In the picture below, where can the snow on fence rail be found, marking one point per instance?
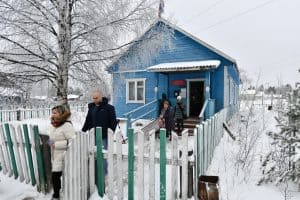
(151, 164)
(30, 113)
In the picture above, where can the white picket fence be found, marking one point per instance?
(31, 113)
(20, 156)
(78, 182)
(79, 172)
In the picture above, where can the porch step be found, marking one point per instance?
(190, 124)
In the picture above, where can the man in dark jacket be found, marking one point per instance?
(100, 114)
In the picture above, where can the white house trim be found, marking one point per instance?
(129, 71)
(135, 80)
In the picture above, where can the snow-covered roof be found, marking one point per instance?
(248, 92)
(39, 97)
(73, 96)
(185, 66)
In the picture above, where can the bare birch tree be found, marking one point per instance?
(59, 39)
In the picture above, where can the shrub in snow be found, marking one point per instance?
(282, 163)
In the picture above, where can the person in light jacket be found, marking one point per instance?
(60, 134)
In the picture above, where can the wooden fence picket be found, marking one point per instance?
(184, 159)
(130, 164)
(6, 158)
(11, 151)
(29, 154)
(140, 176)
(152, 173)
(91, 145)
(162, 171)
(174, 177)
(2, 156)
(110, 167)
(39, 158)
(17, 152)
(100, 167)
(34, 157)
(21, 141)
(119, 139)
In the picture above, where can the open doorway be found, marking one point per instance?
(195, 97)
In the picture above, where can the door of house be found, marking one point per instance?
(195, 97)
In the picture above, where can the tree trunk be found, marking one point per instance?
(64, 44)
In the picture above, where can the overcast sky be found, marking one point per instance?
(262, 35)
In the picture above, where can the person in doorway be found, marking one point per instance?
(167, 118)
(179, 114)
(100, 114)
(60, 134)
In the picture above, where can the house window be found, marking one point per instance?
(135, 90)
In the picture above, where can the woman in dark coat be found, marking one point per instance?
(167, 117)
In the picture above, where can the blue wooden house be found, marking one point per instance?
(206, 78)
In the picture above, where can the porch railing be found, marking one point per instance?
(201, 115)
(141, 112)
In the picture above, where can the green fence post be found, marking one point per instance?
(29, 155)
(39, 157)
(100, 177)
(130, 164)
(162, 164)
(11, 151)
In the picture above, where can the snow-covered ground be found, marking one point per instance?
(11, 189)
(238, 173)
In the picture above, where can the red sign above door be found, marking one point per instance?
(178, 82)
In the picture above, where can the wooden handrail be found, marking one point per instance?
(201, 115)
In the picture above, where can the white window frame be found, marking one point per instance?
(135, 80)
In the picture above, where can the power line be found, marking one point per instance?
(204, 11)
(238, 15)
